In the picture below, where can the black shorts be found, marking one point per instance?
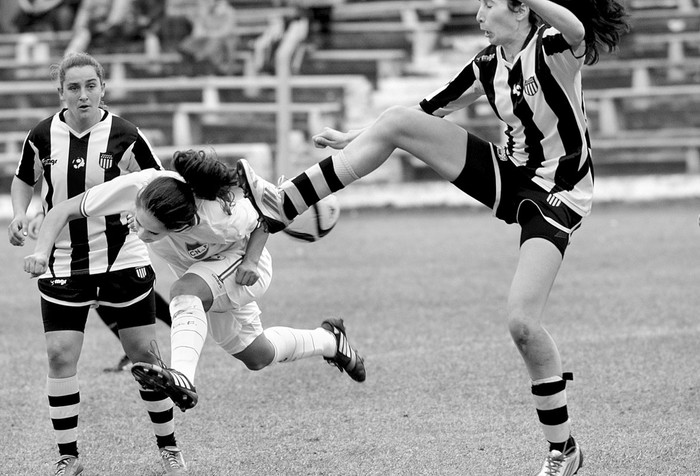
(498, 183)
(127, 294)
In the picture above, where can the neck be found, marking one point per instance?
(521, 35)
(82, 124)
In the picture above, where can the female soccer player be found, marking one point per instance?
(542, 178)
(215, 246)
(96, 262)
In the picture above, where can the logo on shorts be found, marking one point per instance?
(553, 201)
(196, 250)
(141, 272)
(530, 86)
(501, 153)
(106, 160)
(58, 282)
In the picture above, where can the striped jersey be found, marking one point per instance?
(216, 230)
(539, 98)
(69, 163)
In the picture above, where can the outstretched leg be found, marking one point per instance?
(437, 142)
(286, 344)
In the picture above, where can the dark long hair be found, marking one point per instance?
(605, 22)
(173, 202)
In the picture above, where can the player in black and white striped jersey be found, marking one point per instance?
(96, 261)
(541, 178)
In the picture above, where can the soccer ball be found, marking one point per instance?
(316, 222)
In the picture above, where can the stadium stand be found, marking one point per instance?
(642, 101)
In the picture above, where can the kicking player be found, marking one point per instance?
(542, 178)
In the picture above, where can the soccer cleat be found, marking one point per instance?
(266, 198)
(68, 465)
(123, 364)
(346, 358)
(173, 462)
(562, 464)
(169, 381)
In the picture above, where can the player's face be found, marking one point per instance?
(82, 92)
(148, 228)
(497, 21)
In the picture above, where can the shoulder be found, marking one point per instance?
(43, 128)
(487, 55)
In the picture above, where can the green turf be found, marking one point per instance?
(423, 296)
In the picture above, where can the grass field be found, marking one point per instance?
(423, 296)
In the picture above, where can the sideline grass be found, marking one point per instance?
(422, 293)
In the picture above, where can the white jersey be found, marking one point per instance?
(539, 98)
(216, 230)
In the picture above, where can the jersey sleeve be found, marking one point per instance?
(116, 196)
(559, 54)
(461, 91)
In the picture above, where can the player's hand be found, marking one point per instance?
(247, 274)
(35, 225)
(17, 230)
(331, 138)
(36, 264)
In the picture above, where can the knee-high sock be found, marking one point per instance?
(550, 402)
(294, 344)
(64, 406)
(317, 182)
(187, 334)
(160, 411)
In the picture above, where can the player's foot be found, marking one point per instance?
(123, 364)
(169, 381)
(562, 464)
(68, 465)
(346, 358)
(173, 462)
(267, 198)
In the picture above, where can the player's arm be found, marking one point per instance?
(57, 218)
(21, 196)
(247, 272)
(560, 18)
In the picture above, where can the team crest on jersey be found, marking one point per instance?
(78, 163)
(105, 160)
(530, 86)
(197, 251)
(501, 153)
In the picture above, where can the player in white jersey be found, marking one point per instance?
(217, 249)
(541, 178)
(95, 261)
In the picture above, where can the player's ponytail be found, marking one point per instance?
(208, 177)
(605, 22)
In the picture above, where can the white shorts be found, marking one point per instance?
(234, 317)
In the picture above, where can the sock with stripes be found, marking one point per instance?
(294, 344)
(550, 402)
(64, 406)
(315, 183)
(187, 334)
(160, 411)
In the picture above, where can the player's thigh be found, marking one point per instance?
(234, 330)
(538, 265)
(437, 142)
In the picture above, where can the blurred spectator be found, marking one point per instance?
(213, 41)
(105, 24)
(45, 15)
